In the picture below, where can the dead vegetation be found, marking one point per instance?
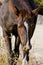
(4, 53)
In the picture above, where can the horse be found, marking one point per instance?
(15, 23)
(31, 23)
(9, 20)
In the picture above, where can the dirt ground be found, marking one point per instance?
(32, 61)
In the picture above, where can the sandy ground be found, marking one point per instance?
(37, 41)
(36, 53)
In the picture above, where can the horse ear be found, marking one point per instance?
(35, 11)
(0, 3)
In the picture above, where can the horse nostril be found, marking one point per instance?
(0, 3)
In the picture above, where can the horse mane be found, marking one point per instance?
(21, 8)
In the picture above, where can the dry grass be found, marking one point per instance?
(33, 61)
(4, 55)
(3, 60)
(36, 61)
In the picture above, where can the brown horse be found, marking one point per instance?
(15, 21)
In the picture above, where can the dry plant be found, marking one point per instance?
(4, 53)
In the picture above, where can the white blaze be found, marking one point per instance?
(27, 27)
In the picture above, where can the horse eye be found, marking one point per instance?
(0, 3)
